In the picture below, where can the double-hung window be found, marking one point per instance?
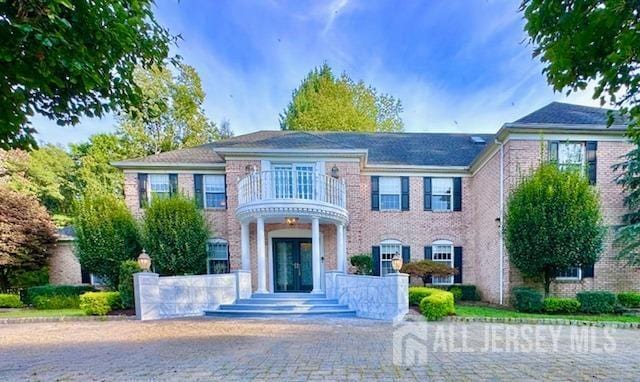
(214, 191)
(388, 249)
(217, 256)
(442, 252)
(442, 194)
(571, 156)
(159, 186)
(571, 273)
(390, 190)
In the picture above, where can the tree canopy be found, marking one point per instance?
(67, 59)
(326, 102)
(553, 222)
(170, 115)
(425, 269)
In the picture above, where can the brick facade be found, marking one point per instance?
(476, 227)
(64, 266)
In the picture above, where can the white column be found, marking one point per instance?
(245, 247)
(262, 268)
(315, 254)
(340, 258)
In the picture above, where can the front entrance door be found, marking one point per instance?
(292, 265)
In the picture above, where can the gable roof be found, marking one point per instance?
(558, 113)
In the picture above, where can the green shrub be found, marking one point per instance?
(527, 300)
(629, 299)
(99, 303)
(597, 302)
(10, 301)
(437, 305)
(23, 278)
(561, 305)
(107, 235)
(175, 235)
(127, 269)
(456, 291)
(469, 292)
(362, 262)
(56, 302)
(416, 294)
(56, 290)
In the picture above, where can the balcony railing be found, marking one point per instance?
(292, 185)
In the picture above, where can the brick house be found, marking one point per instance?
(290, 206)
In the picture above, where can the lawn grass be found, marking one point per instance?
(20, 313)
(494, 312)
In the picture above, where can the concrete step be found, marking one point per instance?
(288, 301)
(270, 312)
(276, 296)
(283, 307)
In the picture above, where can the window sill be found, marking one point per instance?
(441, 211)
(567, 280)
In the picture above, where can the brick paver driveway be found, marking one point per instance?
(305, 349)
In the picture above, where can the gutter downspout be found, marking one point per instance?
(501, 221)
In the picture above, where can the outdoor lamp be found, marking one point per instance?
(335, 172)
(291, 221)
(144, 261)
(396, 262)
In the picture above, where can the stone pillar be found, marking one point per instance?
(340, 255)
(243, 284)
(245, 247)
(315, 254)
(147, 295)
(262, 266)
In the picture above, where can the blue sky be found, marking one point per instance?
(456, 65)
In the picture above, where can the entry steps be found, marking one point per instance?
(282, 304)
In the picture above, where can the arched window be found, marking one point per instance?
(388, 248)
(217, 256)
(442, 252)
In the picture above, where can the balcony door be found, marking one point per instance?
(293, 181)
(292, 265)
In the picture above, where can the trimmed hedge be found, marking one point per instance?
(416, 294)
(629, 299)
(561, 305)
(56, 290)
(127, 269)
(469, 292)
(99, 303)
(597, 302)
(437, 304)
(10, 301)
(456, 291)
(527, 300)
(56, 302)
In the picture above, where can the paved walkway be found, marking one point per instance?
(309, 349)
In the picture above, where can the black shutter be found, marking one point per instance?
(588, 271)
(428, 255)
(225, 192)
(406, 254)
(553, 151)
(427, 193)
(457, 194)
(142, 190)
(375, 193)
(457, 264)
(198, 190)
(173, 184)
(375, 260)
(592, 147)
(404, 197)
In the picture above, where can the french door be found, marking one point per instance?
(292, 265)
(293, 181)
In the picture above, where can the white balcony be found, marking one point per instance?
(280, 193)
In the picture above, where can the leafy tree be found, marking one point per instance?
(26, 234)
(107, 235)
(175, 236)
(425, 269)
(170, 115)
(125, 286)
(363, 263)
(597, 41)
(46, 173)
(326, 102)
(553, 222)
(66, 59)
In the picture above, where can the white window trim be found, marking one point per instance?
(399, 194)
(293, 167)
(150, 191)
(449, 195)
(566, 278)
(450, 262)
(388, 242)
(204, 191)
(217, 241)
